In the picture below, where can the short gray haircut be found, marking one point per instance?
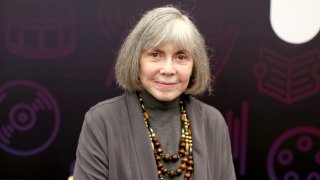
(157, 27)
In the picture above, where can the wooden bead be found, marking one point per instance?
(158, 158)
(166, 157)
(160, 166)
(179, 171)
(175, 157)
(182, 152)
(145, 115)
(187, 175)
(190, 162)
(165, 171)
(183, 166)
(159, 151)
(157, 144)
(184, 160)
(189, 168)
(182, 144)
(172, 173)
(154, 139)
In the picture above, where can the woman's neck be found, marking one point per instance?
(154, 104)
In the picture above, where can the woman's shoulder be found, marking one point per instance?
(206, 108)
(109, 102)
(209, 112)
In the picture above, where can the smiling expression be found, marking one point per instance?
(165, 71)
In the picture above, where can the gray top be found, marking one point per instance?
(114, 143)
(165, 121)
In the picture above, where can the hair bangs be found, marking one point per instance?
(176, 31)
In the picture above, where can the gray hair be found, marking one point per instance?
(155, 28)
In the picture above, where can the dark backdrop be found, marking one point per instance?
(57, 58)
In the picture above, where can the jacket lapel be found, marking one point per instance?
(198, 137)
(142, 144)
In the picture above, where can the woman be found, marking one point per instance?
(156, 129)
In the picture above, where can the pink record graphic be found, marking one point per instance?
(238, 129)
(218, 35)
(117, 17)
(295, 155)
(288, 79)
(40, 28)
(29, 118)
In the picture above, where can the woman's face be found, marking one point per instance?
(165, 71)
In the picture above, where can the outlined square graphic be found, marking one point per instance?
(288, 79)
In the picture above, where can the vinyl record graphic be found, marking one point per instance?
(29, 118)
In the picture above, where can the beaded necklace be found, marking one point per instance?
(185, 147)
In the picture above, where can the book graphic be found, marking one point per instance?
(288, 79)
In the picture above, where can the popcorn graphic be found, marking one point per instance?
(288, 79)
(238, 129)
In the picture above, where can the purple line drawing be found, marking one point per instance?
(288, 79)
(220, 36)
(291, 150)
(117, 17)
(110, 76)
(40, 28)
(20, 99)
(238, 129)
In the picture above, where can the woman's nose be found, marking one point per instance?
(168, 67)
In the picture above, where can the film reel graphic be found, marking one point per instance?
(29, 118)
(295, 155)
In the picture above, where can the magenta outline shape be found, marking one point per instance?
(15, 124)
(281, 157)
(284, 136)
(67, 20)
(264, 51)
(300, 145)
(55, 110)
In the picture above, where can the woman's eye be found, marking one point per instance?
(182, 57)
(154, 54)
